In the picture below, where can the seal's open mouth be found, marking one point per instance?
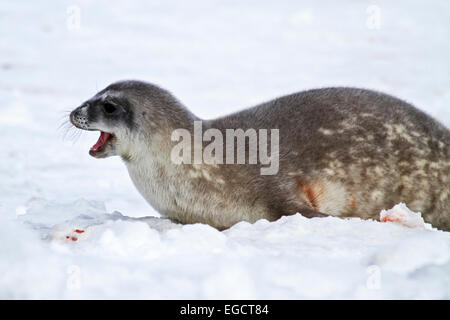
(103, 145)
(104, 137)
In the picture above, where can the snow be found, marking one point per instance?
(216, 57)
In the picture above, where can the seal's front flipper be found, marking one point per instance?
(308, 213)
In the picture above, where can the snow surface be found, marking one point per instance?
(217, 57)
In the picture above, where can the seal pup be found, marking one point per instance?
(344, 152)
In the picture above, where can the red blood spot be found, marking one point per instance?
(390, 219)
(79, 231)
(74, 238)
(67, 237)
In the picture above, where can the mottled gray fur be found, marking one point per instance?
(343, 152)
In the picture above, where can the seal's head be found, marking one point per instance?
(128, 113)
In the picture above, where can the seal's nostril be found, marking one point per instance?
(72, 116)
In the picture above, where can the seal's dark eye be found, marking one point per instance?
(109, 108)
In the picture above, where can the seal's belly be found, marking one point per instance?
(190, 199)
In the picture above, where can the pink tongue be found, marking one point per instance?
(101, 141)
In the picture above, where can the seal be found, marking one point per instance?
(343, 152)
